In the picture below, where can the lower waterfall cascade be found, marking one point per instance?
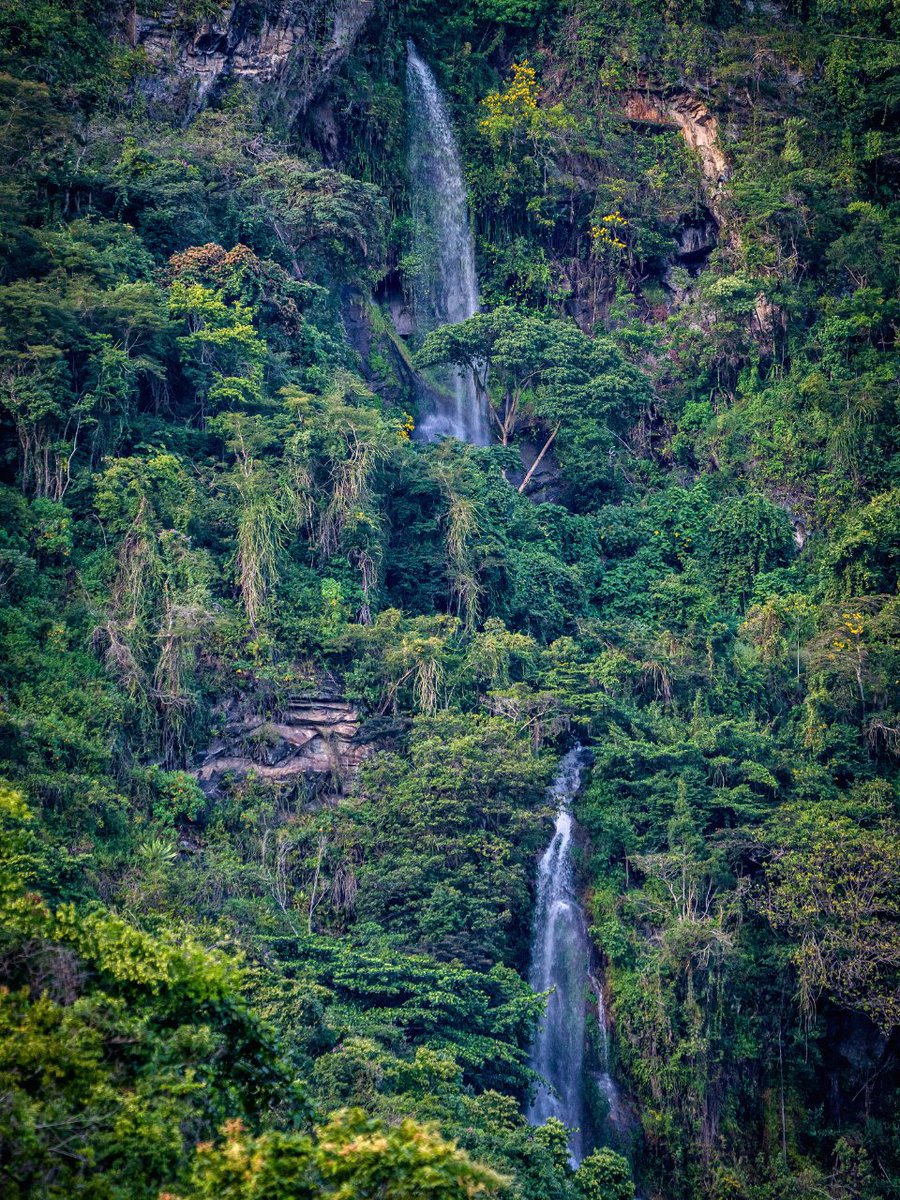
(561, 965)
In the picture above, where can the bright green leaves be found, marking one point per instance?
(514, 114)
(545, 373)
(832, 885)
(445, 838)
(854, 664)
(160, 604)
(317, 213)
(604, 1175)
(73, 356)
(865, 554)
(457, 1019)
(219, 514)
(341, 440)
(404, 663)
(747, 535)
(222, 352)
(352, 1155)
(84, 987)
(156, 486)
(867, 255)
(524, 138)
(108, 252)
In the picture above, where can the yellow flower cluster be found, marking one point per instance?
(520, 96)
(686, 540)
(606, 231)
(853, 622)
(407, 427)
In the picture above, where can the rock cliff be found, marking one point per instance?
(314, 734)
(699, 128)
(285, 50)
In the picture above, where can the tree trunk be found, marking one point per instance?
(537, 462)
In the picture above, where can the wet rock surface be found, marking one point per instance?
(546, 482)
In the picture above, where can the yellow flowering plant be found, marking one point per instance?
(608, 234)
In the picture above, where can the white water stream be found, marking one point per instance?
(561, 961)
(445, 286)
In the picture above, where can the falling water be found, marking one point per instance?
(445, 288)
(561, 961)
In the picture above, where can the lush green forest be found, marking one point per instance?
(282, 688)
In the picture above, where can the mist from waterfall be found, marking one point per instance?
(561, 961)
(445, 285)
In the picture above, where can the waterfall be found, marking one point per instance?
(445, 286)
(561, 961)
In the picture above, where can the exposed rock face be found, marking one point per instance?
(546, 483)
(696, 236)
(698, 127)
(396, 379)
(318, 735)
(768, 320)
(287, 50)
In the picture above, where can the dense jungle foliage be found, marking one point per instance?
(212, 503)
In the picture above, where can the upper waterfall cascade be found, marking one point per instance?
(561, 965)
(445, 287)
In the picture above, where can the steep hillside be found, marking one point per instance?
(285, 677)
